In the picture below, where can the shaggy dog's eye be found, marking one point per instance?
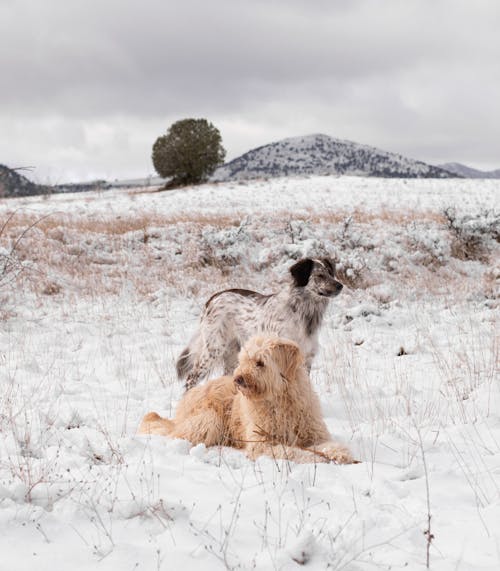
(260, 363)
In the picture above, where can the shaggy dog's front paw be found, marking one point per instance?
(337, 453)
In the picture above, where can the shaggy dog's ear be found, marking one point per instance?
(301, 271)
(288, 356)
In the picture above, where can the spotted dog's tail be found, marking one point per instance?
(187, 358)
(184, 364)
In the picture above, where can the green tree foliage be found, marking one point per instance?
(189, 152)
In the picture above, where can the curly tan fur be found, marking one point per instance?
(267, 407)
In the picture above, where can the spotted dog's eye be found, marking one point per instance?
(260, 363)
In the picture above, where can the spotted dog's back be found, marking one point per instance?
(232, 316)
(223, 330)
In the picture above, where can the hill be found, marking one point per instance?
(14, 184)
(468, 172)
(323, 155)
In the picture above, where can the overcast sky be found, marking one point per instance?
(88, 85)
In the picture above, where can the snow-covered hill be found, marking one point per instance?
(468, 172)
(320, 155)
(12, 183)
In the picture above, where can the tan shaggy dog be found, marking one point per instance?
(267, 407)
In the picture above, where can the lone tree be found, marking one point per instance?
(189, 152)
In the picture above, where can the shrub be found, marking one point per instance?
(189, 152)
(472, 235)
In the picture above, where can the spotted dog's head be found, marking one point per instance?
(266, 366)
(317, 275)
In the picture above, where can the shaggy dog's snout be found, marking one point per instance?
(240, 382)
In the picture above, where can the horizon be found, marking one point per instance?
(87, 102)
(30, 170)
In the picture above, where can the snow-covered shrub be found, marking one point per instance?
(472, 234)
(51, 288)
(428, 245)
(349, 244)
(304, 241)
(383, 293)
(7, 264)
(491, 283)
(351, 269)
(224, 247)
(11, 262)
(349, 236)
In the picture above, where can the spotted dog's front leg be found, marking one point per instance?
(308, 362)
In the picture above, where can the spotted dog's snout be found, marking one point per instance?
(335, 288)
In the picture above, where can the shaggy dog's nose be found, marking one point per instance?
(338, 286)
(240, 381)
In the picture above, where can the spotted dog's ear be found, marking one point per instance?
(288, 357)
(301, 271)
(329, 265)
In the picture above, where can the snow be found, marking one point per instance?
(320, 154)
(104, 294)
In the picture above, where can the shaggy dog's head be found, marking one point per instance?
(317, 275)
(266, 366)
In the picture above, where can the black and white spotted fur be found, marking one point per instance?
(232, 316)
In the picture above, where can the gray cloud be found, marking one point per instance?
(88, 85)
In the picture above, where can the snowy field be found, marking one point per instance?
(99, 292)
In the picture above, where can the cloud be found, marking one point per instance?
(94, 82)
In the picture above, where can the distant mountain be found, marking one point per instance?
(143, 182)
(82, 186)
(322, 155)
(468, 172)
(14, 184)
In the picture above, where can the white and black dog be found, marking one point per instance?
(232, 316)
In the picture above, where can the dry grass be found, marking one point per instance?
(114, 226)
(383, 216)
(142, 221)
(64, 254)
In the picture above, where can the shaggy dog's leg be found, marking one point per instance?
(203, 428)
(325, 452)
(206, 427)
(284, 452)
(153, 423)
(334, 451)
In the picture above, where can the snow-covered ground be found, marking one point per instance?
(99, 293)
